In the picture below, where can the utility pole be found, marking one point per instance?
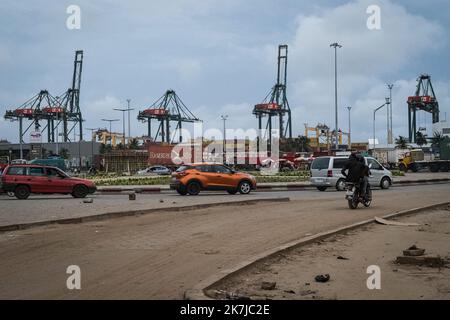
(335, 46)
(349, 129)
(128, 108)
(374, 112)
(390, 131)
(110, 128)
(123, 116)
(224, 118)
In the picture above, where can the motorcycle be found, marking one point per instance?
(353, 195)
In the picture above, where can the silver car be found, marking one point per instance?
(326, 173)
(155, 170)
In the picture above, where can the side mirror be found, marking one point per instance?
(370, 166)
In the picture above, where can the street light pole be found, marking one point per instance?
(335, 46)
(224, 118)
(123, 116)
(391, 135)
(374, 112)
(349, 129)
(128, 108)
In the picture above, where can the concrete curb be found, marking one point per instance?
(262, 188)
(198, 292)
(110, 215)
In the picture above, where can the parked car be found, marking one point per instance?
(326, 173)
(155, 170)
(23, 180)
(191, 179)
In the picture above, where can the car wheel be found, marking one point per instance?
(232, 191)
(182, 191)
(402, 167)
(385, 183)
(340, 185)
(244, 187)
(22, 192)
(80, 191)
(193, 188)
(321, 188)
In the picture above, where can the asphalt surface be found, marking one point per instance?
(39, 208)
(161, 255)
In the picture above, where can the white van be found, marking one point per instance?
(326, 173)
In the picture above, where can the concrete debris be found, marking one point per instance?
(266, 285)
(307, 292)
(433, 262)
(132, 196)
(88, 200)
(414, 251)
(290, 291)
(322, 278)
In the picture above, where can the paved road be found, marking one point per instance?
(51, 207)
(161, 255)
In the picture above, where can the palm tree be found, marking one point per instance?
(133, 144)
(421, 139)
(437, 139)
(401, 142)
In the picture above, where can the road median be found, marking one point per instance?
(291, 186)
(110, 215)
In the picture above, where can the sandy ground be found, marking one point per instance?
(294, 272)
(160, 255)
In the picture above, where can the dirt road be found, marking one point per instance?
(379, 245)
(159, 256)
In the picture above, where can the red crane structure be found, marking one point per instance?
(167, 108)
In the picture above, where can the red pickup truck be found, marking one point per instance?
(24, 179)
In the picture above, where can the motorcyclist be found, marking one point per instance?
(352, 169)
(364, 184)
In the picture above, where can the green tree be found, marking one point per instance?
(105, 148)
(64, 153)
(421, 139)
(401, 142)
(437, 139)
(133, 144)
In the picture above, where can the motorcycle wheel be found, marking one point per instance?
(369, 201)
(352, 204)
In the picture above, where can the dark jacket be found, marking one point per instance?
(355, 170)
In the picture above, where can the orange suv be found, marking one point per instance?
(204, 176)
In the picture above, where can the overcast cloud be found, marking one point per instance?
(220, 57)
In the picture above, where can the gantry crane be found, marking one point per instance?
(53, 110)
(275, 104)
(424, 99)
(164, 110)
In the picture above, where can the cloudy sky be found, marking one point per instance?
(220, 57)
